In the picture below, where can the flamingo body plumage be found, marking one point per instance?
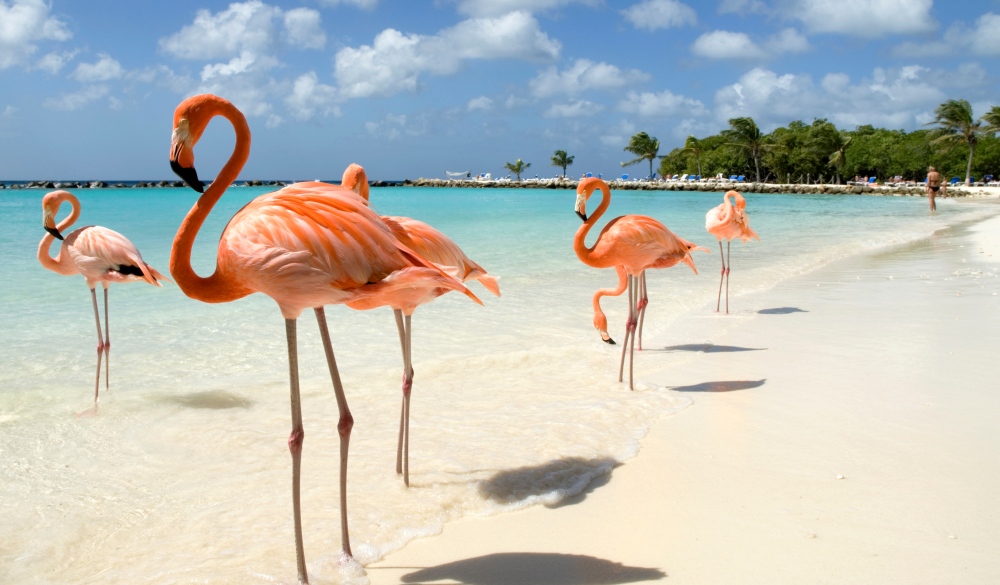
(727, 221)
(100, 255)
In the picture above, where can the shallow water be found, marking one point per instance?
(183, 475)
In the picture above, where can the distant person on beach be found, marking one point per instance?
(933, 185)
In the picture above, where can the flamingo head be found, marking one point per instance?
(356, 180)
(50, 205)
(738, 199)
(190, 120)
(584, 190)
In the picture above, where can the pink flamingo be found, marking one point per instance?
(432, 245)
(100, 255)
(728, 221)
(633, 242)
(306, 245)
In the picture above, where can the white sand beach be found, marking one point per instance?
(843, 430)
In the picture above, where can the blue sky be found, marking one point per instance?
(412, 88)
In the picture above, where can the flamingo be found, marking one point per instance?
(306, 245)
(728, 221)
(432, 245)
(100, 255)
(633, 242)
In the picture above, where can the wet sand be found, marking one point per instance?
(843, 430)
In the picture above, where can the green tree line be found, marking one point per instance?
(957, 144)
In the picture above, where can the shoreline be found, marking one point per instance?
(956, 191)
(831, 434)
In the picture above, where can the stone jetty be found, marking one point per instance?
(898, 190)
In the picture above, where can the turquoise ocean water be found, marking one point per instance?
(183, 476)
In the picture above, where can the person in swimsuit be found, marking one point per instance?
(933, 185)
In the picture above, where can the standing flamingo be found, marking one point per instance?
(432, 245)
(306, 245)
(728, 221)
(634, 242)
(100, 255)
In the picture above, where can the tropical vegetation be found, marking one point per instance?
(958, 145)
(645, 148)
(561, 159)
(517, 167)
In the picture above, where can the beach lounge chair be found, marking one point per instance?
(741, 178)
(732, 178)
(954, 180)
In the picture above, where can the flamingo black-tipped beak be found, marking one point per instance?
(55, 233)
(583, 216)
(610, 341)
(189, 175)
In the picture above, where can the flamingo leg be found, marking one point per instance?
(629, 330)
(100, 345)
(295, 446)
(403, 446)
(728, 264)
(722, 275)
(633, 311)
(107, 340)
(344, 427)
(643, 301)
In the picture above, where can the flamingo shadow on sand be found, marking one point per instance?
(724, 386)
(708, 348)
(564, 481)
(210, 400)
(781, 311)
(534, 569)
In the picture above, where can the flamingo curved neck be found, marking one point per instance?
(219, 287)
(585, 254)
(59, 264)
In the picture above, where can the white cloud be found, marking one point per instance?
(163, 76)
(577, 109)
(619, 135)
(661, 105)
(896, 98)
(583, 75)
(55, 61)
(480, 103)
(394, 61)
(722, 44)
(979, 39)
(309, 96)
(787, 41)
(77, 100)
(363, 4)
(392, 127)
(302, 29)
(863, 18)
(655, 14)
(9, 112)
(500, 7)
(248, 26)
(104, 69)
(23, 23)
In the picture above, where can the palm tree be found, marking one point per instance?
(839, 157)
(992, 120)
(956, 124)
(644, 147)
(561, 159)
(744, 135)
(517, 168)
(694, 146)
